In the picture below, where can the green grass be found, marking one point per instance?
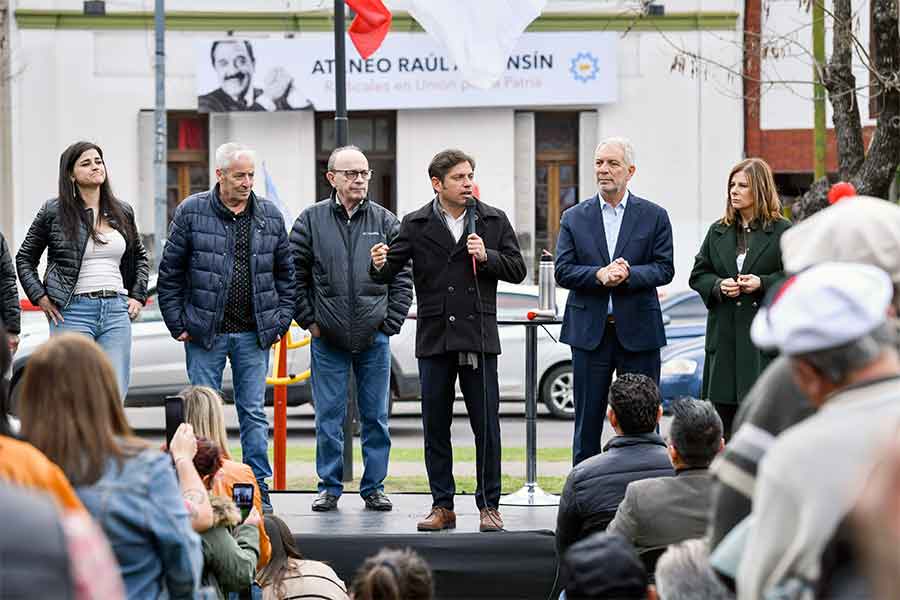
(419, 484)
(307, 454)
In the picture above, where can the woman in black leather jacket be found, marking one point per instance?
(97, 268)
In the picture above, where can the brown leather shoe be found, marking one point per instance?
(490, 520)
(439, 518)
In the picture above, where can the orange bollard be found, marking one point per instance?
(280, 401)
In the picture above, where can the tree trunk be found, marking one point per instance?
(870, 172)
(841, 86)
(879, 169)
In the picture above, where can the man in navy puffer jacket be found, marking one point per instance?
(596, 486)
(226, 289)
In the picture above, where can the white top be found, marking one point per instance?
(100, 264)
(612, 223)
(456, 225)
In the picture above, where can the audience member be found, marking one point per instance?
(860, 229)
(66, 557)
(876, 518)
(129, 488)
(596, 486)
(831, 322)
(393, 575)
(21, 463)
(203, 410)
(603, 565)
(289, 575)
(230, 548)
(683, 573)
(665, 510)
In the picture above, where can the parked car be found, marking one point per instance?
(681, 373)
(684, 317)
(158, 367)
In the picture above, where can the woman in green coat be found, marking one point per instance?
(230, 548)
(739, 261)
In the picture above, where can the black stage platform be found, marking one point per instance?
(516, 564)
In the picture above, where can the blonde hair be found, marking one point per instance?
(203, 410)
(766, 204)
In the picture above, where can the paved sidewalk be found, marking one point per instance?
(412, 469)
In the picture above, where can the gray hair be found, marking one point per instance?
(695, 431)
(332, 158)
(837, 364)
(683, 573)
(229, 152)
(621, 142)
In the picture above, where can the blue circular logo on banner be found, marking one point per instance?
(584, 67)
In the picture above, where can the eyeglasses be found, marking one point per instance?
(352, 175)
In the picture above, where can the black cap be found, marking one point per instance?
(603, 565)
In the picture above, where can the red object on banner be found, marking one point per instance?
(841, 189)
(370, 26)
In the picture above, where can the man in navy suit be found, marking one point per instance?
(613, 251)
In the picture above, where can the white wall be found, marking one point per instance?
(787, 30)
(486, 134)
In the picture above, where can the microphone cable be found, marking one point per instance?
(484, 388)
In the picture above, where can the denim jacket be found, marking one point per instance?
(141, 510)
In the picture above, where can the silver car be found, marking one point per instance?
(158, 362)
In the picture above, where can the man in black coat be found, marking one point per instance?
(350, 318)
(596, 486)
(456, 330)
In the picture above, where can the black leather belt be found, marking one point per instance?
(100, 294)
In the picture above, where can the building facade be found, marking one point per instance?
(91, 77)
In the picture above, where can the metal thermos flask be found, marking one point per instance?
(546, 284)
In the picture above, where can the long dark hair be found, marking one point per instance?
(71, 205)
(283, 549)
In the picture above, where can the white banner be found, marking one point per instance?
(409, 71)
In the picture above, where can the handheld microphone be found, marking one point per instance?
(470, 225)
(470, 215)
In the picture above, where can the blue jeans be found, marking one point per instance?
(106, 321)
(330, 383)
(249, 367)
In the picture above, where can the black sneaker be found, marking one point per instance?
(378, 500)
(325, 502)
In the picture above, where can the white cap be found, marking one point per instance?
(824, 307)
(858, 229)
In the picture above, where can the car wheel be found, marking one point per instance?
(556, 392)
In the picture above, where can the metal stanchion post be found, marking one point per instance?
(531, 493)
(280, 425)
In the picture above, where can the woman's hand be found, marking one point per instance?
(50, 310)
(749, 283)
(134, 309)
(184, 444)
(730, 288)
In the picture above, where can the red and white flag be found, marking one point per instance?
(371, 25)
(479, 34)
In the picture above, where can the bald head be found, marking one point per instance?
(348, 173)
